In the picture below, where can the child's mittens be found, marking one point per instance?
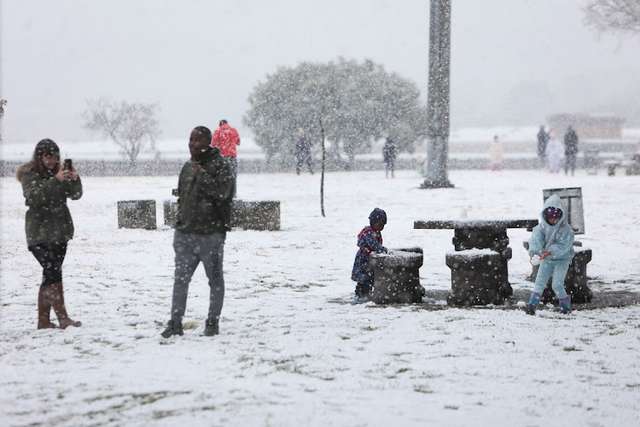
(535, 260)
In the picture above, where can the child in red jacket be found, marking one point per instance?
(369, 240)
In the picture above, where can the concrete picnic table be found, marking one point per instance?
(480, 234)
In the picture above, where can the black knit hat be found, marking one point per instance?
(377, 216)
(47, 146)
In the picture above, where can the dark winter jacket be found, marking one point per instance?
(369, 241)
(303, 149)
(389, 151)
(543, 140)
(48, 219)
(205, 195)
(570, 143)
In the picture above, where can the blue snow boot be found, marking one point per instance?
(565, 305)
(534, 300)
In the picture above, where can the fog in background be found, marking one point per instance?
(513, 61)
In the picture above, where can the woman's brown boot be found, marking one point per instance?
(44, 308)
(57, 302)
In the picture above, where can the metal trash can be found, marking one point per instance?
(572, 200)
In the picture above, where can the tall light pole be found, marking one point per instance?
(438, 95)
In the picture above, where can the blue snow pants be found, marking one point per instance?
(557, 270)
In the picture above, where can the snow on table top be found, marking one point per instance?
(473, 253)
(498, 223)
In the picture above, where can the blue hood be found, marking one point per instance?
(558, 238)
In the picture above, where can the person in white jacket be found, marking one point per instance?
(555, 154)
(496, 154)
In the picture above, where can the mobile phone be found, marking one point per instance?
(67, 165)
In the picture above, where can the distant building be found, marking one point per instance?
(604, 126)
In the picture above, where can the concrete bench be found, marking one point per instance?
(256, 215)
(248, 215)
(534, 268)
(396, 276)
(575, 283)
(631, 167)
(478, 277)
(170, 210)
(137, 214)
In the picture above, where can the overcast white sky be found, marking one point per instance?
(513, 61)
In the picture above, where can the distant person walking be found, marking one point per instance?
(303, 152)
(554, 154)
(543, 140)
(570, 150)
(496, 154)
(389, 154)
(226, 139)
(205, 193)
(46, 186)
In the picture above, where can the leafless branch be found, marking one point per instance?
(615, 16)
(129, 125)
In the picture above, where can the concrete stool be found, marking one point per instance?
(256, 215)
(477, 277)
(170, 209)
(575, 283)
(137, 214)
(396, 276)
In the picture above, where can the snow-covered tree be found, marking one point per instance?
(129, 125)
(357, 103)
(616, 16)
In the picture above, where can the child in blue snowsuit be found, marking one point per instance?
(552, 242)
(369, 240)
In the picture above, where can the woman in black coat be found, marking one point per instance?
(46, 186)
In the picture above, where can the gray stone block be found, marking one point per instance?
(478, 277)
(170, 210)
(396, 276)
(253, 215)
(256, 215)
(575, 282)
(137, 214)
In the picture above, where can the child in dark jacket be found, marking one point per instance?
(369, 240)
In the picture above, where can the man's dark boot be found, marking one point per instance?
(211, 327)
(55, 293)
(174, 327)
(44, 310)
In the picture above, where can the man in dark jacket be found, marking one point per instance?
(543, 140)
(389, 156)
(205, 191)
(303, 152)
(570, 150)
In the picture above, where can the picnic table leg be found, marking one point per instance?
(505, 287)
(470, 238)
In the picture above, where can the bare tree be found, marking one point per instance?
(129, 125)
(615, 16)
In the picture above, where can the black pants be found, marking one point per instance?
(300, 161)
(50, 256)
(569, 163)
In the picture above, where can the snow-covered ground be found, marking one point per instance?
(292, 351)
